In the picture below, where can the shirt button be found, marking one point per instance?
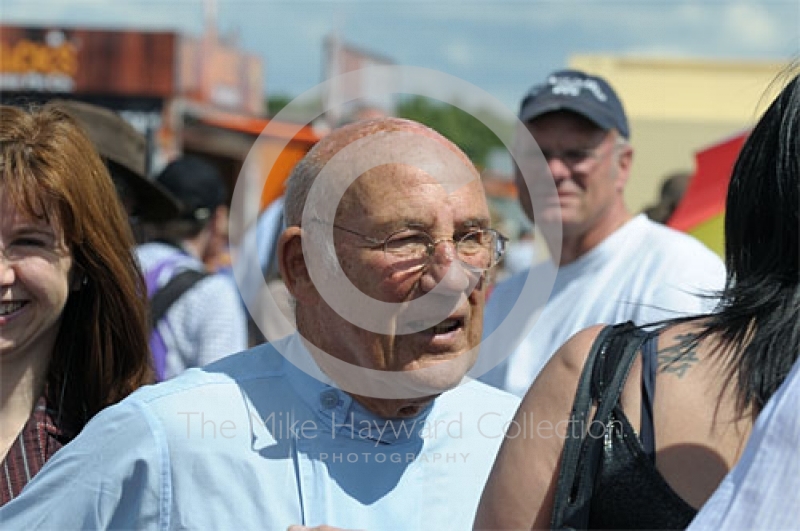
(329, 399)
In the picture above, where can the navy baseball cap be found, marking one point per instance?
(572, 90)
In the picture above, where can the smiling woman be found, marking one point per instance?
(73, 334)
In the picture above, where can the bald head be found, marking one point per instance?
(305, 173)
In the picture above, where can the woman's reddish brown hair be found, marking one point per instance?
(50, 169)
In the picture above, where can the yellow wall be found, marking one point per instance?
(677, 107)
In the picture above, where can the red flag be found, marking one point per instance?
(702, 210)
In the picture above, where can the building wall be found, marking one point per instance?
(677, 107)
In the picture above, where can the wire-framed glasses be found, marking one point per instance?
(411, 250)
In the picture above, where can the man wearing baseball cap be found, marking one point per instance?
(611, 266)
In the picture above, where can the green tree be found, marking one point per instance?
(276, 103)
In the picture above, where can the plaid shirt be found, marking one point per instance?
(36, 443)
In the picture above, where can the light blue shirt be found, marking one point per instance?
(252, 442)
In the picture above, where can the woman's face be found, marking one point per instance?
(35, 281)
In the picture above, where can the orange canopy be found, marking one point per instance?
(277, 155)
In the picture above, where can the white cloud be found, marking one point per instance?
(183, 15)
(458, 53)
(754, 25)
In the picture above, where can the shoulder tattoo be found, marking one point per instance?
(679, 357)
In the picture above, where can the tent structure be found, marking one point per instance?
(701, 212)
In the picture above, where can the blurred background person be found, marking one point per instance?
(612, 266)
(123, 149)
(73, 329)
(197, 316)
(672, 190)
(256, 282)
(692, 391)
(521, 253)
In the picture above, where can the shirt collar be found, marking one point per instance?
(336, 409)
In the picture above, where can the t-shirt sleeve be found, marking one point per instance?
(685, 288)
(114, 475)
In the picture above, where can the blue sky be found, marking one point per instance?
(500, 46)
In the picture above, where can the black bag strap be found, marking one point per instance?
(581, 459)
(166, 296)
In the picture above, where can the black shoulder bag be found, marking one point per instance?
(582, 453)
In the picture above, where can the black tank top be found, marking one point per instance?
(629, 491)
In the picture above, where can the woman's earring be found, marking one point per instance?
(85, 281)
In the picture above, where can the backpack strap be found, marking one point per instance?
(151, 276)
(164, 298)
(581, 458)
(161, 299)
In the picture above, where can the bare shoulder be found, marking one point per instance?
(561, 374)
(575, 351)
(554, 388)
(521, 488)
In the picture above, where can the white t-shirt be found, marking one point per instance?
(643, 272)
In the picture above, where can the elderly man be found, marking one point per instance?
(372, 424)
(607, 266)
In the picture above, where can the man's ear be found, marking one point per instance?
(220, 220)
(292, 264)
(624, 162)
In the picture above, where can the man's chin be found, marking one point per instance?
(440, 372)
(429, 373)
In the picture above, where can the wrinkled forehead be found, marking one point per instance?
(392, 155)
(406, 172)
(388, 162)
(396, 139)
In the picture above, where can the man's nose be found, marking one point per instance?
(558, 168)
(445, 268)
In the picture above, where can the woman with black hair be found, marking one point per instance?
(670, 409)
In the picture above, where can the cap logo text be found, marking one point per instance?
(572, 86)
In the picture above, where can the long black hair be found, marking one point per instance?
(758, 319)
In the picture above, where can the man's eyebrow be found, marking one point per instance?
(400, 224)
(476, 222)
(418, 224)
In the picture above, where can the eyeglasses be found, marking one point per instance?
(576, 157)
(571, 158)
(411, 250)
